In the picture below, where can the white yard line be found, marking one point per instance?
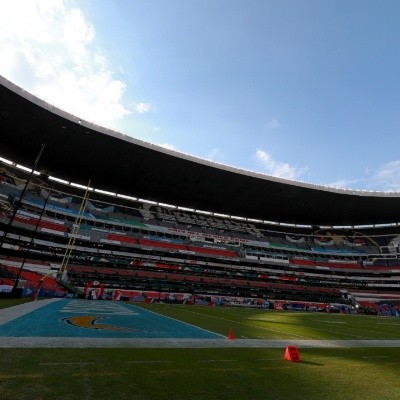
(177, 320)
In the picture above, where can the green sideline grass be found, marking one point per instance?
(5, 303)
(201, 374)
(268, 324)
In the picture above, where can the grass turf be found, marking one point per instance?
(211, 374)
(147, 374)
(267, 324)
(5, 303)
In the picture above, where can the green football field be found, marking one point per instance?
(218, 373)
(266, 324)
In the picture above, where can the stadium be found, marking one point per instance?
(88, 213)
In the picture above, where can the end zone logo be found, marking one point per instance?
(90, 322)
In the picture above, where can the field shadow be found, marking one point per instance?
(312, 363)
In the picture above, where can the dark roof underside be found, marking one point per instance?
(78, 151)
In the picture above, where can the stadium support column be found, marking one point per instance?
(18, 202)
(33, 236)
(74, 232)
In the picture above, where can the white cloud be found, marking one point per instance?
(142, 108)
(343, 183)
(273, 124)
(387, 177)
(168, 146)
(215, 154)
(384, 178)
(277, 168)
(47, 47)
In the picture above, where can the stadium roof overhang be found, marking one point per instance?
(77, 151)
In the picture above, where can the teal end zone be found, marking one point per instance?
(100, 319)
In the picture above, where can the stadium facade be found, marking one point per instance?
(121, 218)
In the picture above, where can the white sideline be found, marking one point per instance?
(10, 313)
(79, 342)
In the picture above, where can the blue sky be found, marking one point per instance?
(305, 90)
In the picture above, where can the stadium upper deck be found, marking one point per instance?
(77, 151)
(144, 247)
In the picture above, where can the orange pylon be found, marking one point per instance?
(292, 354)
(231, 336)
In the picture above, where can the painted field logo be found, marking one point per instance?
(90, 322)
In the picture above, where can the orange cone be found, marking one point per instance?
(231, 336)
(292, 354)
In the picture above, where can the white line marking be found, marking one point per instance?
(177, 320)
(376, 357)
(200, 361)
(146, 362)
(67, 363)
